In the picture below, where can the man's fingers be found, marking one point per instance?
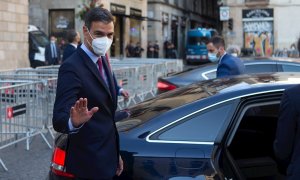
(85, 102)
(81, 103)
(76, 105)
(72, 111)
(94, 110)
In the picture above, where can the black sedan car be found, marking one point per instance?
(215, 129)
(206, 72)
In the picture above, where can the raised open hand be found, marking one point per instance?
(80, 114)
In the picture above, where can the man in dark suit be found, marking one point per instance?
(228, 64)
(86, 101)
(287, 142)
(52, 52)
(73, 38)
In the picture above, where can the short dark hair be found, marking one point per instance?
(71, 35)
(97, 14)
(217, 41)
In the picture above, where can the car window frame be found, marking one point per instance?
(246, 105)
(204, 74)
(153, 136)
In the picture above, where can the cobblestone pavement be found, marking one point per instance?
(26, 165)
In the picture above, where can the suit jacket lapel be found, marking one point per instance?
(94, 71)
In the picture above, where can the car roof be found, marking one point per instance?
(234, 86)
(246, 61)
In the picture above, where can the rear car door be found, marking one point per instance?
(187, 144)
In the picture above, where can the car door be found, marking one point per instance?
(186, 146)
(230, 162)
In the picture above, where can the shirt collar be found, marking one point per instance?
(92, 56)
(222, 57)
(75, 45)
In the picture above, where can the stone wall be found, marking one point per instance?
(13, 34)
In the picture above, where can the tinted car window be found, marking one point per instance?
(203, 127)
(290, 68)
(260, 68)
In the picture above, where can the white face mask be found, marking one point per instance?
(234, 54)
(101, 45)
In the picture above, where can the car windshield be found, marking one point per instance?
(40, 38)
(197, 41)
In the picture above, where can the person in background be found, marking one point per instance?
(228, 65)
(130, 49)
(52, 52)
(73, 38)
(138, 50)
(156, 49)
(233, 50)
(171, 51)
(150, 50)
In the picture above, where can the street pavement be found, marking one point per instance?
(26, 165)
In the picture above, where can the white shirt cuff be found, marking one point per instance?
(120, 91)
(72, 129)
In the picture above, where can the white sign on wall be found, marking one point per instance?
(224, 13)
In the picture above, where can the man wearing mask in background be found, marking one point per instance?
(73, 38)
(228, 65)
(86, 102)
(52, 52)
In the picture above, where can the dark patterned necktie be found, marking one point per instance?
(100, 65)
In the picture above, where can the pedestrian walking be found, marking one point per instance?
(86, 102)
(52, 52)
(228, 65)
(73, 38)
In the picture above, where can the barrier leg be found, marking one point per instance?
(3, 165)
(46, 141)
(27, 140)
(51, 133)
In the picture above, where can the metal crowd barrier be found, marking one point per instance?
(23, 110)
(49, 80)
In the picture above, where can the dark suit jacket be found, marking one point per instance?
(230, 65)
(287, 142)
(93, 151)
(48, 55)
(68, 51)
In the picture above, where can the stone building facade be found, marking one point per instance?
(264, 25)
(57, 16)
(171, 19)
(13, 34)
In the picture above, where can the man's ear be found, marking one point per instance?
(222, 49)
(84, 29)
